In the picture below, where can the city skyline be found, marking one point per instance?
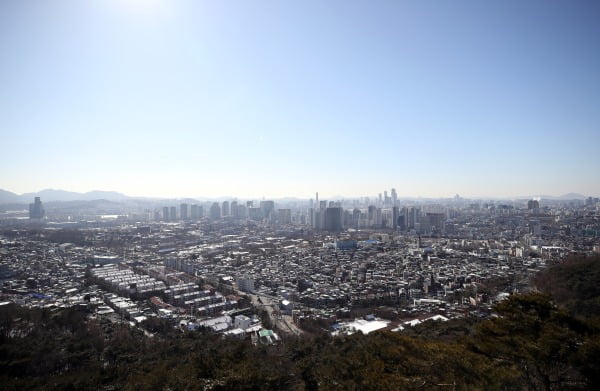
(254, 99)
(51, 195)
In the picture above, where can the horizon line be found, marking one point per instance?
(338, 196)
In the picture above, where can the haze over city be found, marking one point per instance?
(299, 195)
(252, 99)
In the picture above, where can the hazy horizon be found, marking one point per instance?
(321, 196)
(178, 99)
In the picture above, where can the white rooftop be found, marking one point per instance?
(366, 327)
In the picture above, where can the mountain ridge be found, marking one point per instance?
(51, 195)
(58, 195)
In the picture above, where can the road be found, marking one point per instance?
(282, 322)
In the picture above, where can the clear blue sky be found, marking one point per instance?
(282, 98)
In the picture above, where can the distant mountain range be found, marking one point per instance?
(50, 195)
(53, 195)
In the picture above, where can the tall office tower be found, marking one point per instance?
(533, 204)
(380, 199)
(183, 211)
(284, 216)
(378, 217)
(414, 217)
(386, 199)
(194, 212)
(249, 204)
(318, 218)
(323, 204)
(356, 218)
(173, 213)
(200, 211)
(395, 215)
(402, 219)
(347, 221)
(372, 214)
(235, 213)
(225, 208)
(313, 215)
(394, 198)
(333, 219)
(165, 213)
(36, 209)
(215, 211)
(268, 209)
(386, 218)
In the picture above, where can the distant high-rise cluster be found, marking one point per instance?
(186, 212)
(36, 209)
(183, 211)
(266, 212)
(381, 212)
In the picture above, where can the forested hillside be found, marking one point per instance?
(574, 284)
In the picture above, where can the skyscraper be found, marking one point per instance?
(183, 211)
(194, 212)
(215, 211)
(333, 219)
(225, 208)
(356, 218)
(235, 213)
(267, 208)
(533, 204)
(372, 215)
(36, 209)
(284, 216)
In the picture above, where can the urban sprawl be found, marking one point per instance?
(261, 269)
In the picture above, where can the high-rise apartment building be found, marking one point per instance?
(183, 211)
(225, 208)
(267, 208)
(234, 212)
(215, 211)
(194, 212)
